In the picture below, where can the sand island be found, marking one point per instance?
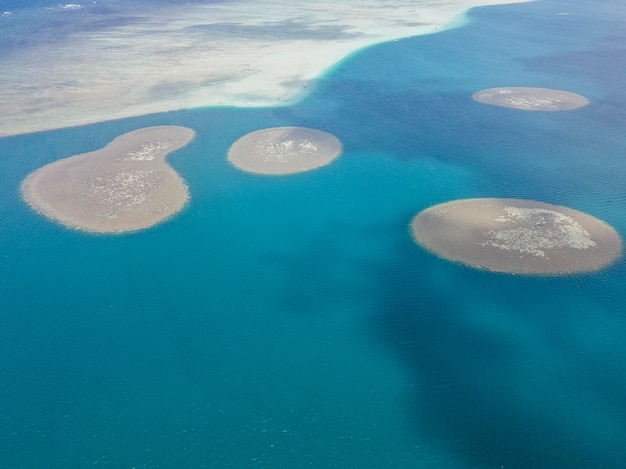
(125, 186)
(531, 99)
(517, 236)
(284, 150)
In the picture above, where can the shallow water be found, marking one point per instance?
(291, 321)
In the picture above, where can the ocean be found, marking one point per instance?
(292, 321)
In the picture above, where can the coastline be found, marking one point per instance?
(203, 56)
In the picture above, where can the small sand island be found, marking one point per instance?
(531, 99)
(125, 186)
(517, 236)
(284, 150)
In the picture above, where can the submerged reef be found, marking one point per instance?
(125, 186)
(517, 236)
(531, 99)
(284, 150)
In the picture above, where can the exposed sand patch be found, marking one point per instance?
(531, 99)
(284, 150)
(517, 236)
(125, 60)
(124, 186)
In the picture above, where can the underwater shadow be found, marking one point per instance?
(482, 391)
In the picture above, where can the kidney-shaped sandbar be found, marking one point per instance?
(125, 186)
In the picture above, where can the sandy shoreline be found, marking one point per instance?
(233, 53)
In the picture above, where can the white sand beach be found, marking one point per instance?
(236, 53)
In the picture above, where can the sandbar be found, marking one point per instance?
(284, 150)
(517, 236)
(125, 186)
(75, 66)
(531, 99)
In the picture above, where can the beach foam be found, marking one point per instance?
(234, 53)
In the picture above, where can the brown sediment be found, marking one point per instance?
(517, 236)
(531, 99)
(125, 186)
(284, 150)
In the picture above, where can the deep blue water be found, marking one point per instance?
(292, 321)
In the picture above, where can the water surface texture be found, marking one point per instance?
(292, 321)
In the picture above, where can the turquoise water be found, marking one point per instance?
(292, 322)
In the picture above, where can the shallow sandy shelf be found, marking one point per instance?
(517, 236)
(125, 186)
(531, 99)
(284, 150)
(99, 63)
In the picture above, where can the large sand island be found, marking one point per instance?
(81, 63)
(125, 186)
(517, 236)
(531, 99)
(284, 150)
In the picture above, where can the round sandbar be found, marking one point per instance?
(125, 186)
(517, 236)
(531, 99)
(284, 150)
